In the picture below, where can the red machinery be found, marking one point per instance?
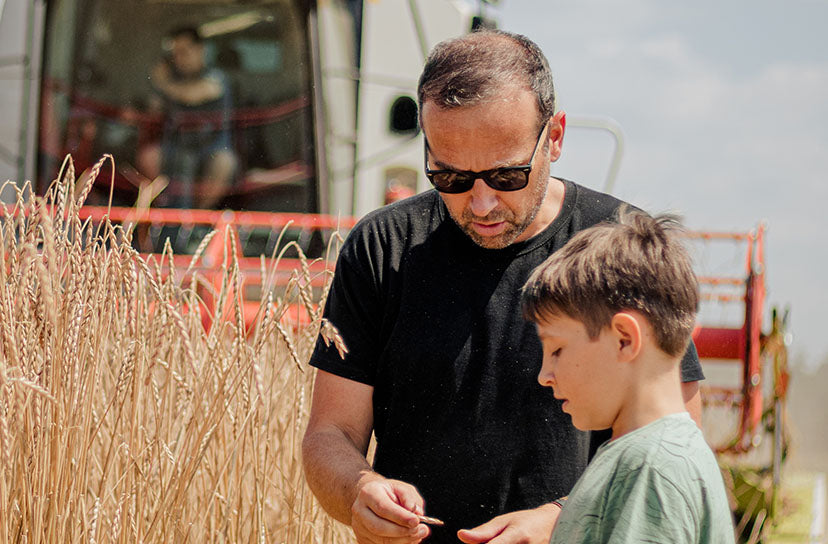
(760, 356)
(737, 342)
(300, 239)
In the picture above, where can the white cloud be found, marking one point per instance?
(728, 140)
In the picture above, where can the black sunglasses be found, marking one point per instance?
(508, 178)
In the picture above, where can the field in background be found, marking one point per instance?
(124, 419)
(808, 419)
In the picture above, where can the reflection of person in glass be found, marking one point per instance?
(196, 147)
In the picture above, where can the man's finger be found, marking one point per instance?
(370, 528)
(408, 497)
(381, 522)
(387, 509)
(481, 533)
(379, 508)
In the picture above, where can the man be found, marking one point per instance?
(441, 365)
(196, 150)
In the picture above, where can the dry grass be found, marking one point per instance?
(121, 418)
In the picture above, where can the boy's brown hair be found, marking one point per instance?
(638, 263)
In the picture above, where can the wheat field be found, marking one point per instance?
(124, 419)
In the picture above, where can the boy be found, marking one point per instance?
(614, 310)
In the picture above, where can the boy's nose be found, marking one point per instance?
(546, 377)
(483, 199)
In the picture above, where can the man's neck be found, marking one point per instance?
(549, 210)
(552, 204)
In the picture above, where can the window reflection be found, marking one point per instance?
(211, 97)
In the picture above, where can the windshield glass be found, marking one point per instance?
(211, 100)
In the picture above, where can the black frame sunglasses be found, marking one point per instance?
(507, 178)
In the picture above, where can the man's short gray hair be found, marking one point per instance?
(474, 68)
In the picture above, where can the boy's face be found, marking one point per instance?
(583, 373)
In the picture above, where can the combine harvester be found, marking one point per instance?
(321, 114)
(323, 128)
(745, 359)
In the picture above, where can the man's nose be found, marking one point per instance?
(483, 198)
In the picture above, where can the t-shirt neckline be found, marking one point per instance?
(643, 429)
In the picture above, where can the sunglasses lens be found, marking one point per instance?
(451, 182)
(447, 181)
(508, 180)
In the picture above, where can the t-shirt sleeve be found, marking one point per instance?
(691, 370)
(354, 307)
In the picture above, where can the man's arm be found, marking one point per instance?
(334, 448)
(190, 93)
(692, 400)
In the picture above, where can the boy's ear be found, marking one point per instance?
(628, 335)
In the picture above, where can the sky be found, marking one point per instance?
(724, 112)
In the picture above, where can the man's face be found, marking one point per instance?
(187, 56)
(495, 134)
(580, 371)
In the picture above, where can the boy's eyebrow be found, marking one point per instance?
(548, 336)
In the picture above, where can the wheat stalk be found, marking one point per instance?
(121, 418)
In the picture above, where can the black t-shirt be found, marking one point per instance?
(432, 321)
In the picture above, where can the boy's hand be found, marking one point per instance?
(521, 527)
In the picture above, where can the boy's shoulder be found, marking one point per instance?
(669, 452)
(660, 482)
(672, 444)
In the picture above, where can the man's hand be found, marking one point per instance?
(160, 74)
(378, 510)
(191, 92)
(386, 511)
(521, 527)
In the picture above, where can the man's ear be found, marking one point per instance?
(628, 335)
(557, 127)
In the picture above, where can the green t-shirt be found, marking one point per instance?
(659, 483)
